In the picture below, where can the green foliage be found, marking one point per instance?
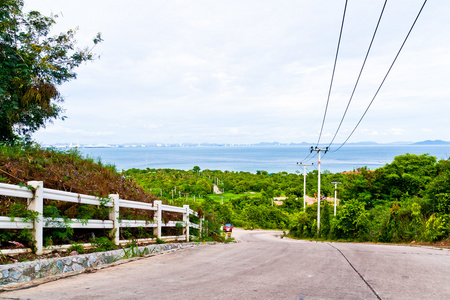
(437, 227)
(408, 174)
(301, 225)
(133, 251)
(32, 65)
(365, 186)
(67, 171)
(160, 241)
(76, 247)
(443, 203)
(403, 201)
(103, 243)
(18, 209)
(62, 232)
(24, 236)
(266, 217)
(351, 221)
(390, 204)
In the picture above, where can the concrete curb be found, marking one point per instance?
(21, 275)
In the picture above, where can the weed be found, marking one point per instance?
(76, 247)
(160, 241)
(230, 240)
(133, 251)
(102, 244)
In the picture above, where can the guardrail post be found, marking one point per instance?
(157, 217)
(37, 204)
(114, 216)
(186, 221)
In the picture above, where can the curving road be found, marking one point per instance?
(263, 266)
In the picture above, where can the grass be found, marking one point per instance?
(229, 196)
(216, 197)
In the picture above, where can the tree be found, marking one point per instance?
(364, 185)
(351, 220)
(408, 175)
(32, 65)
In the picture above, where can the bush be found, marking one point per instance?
(352, 221)
(436, 227)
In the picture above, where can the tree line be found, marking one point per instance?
(405, 200)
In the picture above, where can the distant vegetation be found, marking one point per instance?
(406, 200)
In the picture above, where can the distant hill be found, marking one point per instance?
(435, 142)
(364, 143)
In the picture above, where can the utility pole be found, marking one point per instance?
(335, 194)
(304, 182)
(318, 186)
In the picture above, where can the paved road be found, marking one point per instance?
(262, 266)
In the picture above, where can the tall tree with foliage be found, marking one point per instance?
(32, 66)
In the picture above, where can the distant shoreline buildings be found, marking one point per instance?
(264, 144)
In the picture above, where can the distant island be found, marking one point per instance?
(430, 143)
(262, 144)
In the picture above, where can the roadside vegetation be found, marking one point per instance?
(70, 171)
(405, 201)
(34, 62)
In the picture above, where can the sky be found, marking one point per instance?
(252, 71)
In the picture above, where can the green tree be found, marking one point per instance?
(408, 174)
(364, 185)
(32, 65)
(351, 220)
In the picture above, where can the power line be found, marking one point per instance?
(360, 72)
(384, 79)
(309, 154)
(332, 76)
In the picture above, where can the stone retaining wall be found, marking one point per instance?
(27, 271)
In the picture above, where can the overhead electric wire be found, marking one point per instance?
(306, 158)
(384, 79)
(360, 72)
(332, 76)
(309, 154)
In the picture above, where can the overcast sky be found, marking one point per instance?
(252, 71)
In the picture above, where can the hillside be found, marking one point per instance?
(66, 171)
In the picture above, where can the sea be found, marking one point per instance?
(273, 159)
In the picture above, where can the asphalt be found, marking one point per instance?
(264, 266)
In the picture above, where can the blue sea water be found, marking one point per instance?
(252, 158)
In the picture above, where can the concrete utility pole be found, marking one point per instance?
(318, 186)
(335, 194)
(304, 182)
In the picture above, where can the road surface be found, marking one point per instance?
(263, 266)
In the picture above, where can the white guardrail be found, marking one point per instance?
(35, 203)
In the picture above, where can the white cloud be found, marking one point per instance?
(396, 131)
(238, 71)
